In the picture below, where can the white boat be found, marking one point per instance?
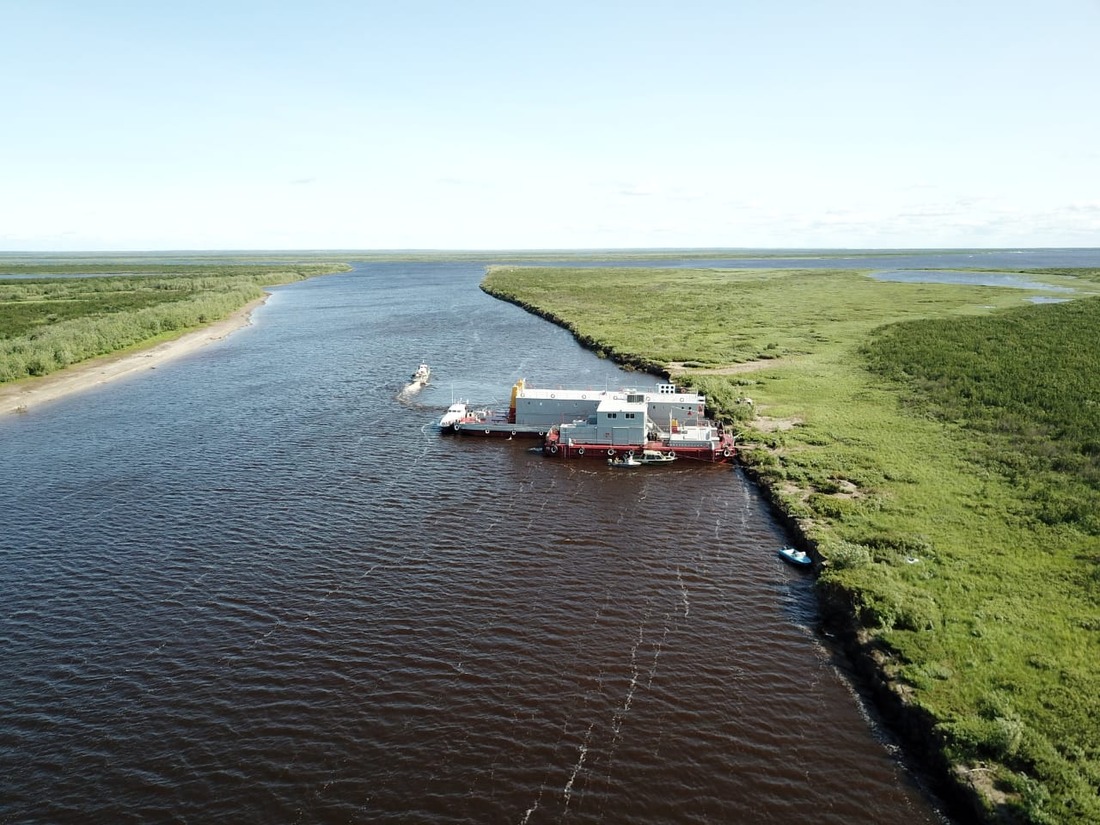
(455, 413)
(422, 374)
(795, 557)
(647, 457)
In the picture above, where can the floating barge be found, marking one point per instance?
(625, 427)
(578, 423)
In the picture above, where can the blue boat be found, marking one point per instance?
(795, 557)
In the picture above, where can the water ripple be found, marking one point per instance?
(257, 588)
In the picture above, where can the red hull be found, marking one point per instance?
(552, 447)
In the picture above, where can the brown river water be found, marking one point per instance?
(255, 586)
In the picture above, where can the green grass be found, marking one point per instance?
(938, 446)
(1029, 381)
(21, 315)
(735, 315)
(47, 324)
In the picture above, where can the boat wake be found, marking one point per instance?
(683, 592)
(417, 381)
(567, 792)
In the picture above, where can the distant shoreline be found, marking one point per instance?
(25, 394)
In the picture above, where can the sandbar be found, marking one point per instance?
(20, 396)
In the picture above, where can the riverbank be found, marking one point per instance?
(28, 393)
(960, 588)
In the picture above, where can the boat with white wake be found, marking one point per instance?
(421, 375)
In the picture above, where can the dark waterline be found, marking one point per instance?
(255, 586)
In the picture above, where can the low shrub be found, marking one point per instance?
(48, 324)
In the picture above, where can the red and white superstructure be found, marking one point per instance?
(606, 423)
(670, 421)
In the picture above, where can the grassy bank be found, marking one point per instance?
(938, 447)
(47, 324)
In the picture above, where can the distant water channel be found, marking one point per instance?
(1009, 280)
(254, 586)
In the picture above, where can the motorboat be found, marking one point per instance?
(657, 457)
(624, 461)
(421, 375)
(795, 557)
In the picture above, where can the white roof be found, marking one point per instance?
(619, 405)
(590, 394)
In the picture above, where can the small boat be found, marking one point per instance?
(656, 457)
(422, 374)
(795, 557)
(624, 461)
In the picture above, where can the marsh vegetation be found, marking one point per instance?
(939, 448)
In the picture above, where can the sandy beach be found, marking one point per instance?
(21, 396)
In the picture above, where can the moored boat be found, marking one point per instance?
(795, 557)
(657, 426)
(656, 457)
(623, 424)
(627, 460)
(647, 457)
(500, 424)
(458, 411)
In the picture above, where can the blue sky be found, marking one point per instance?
(505, 125)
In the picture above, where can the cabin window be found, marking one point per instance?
(612, 415)
(629, 415)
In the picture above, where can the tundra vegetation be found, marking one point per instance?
(49, 323)
(938, 448)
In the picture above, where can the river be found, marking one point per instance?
(254, 585)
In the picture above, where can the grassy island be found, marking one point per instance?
(937, 448)
(100, 306)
